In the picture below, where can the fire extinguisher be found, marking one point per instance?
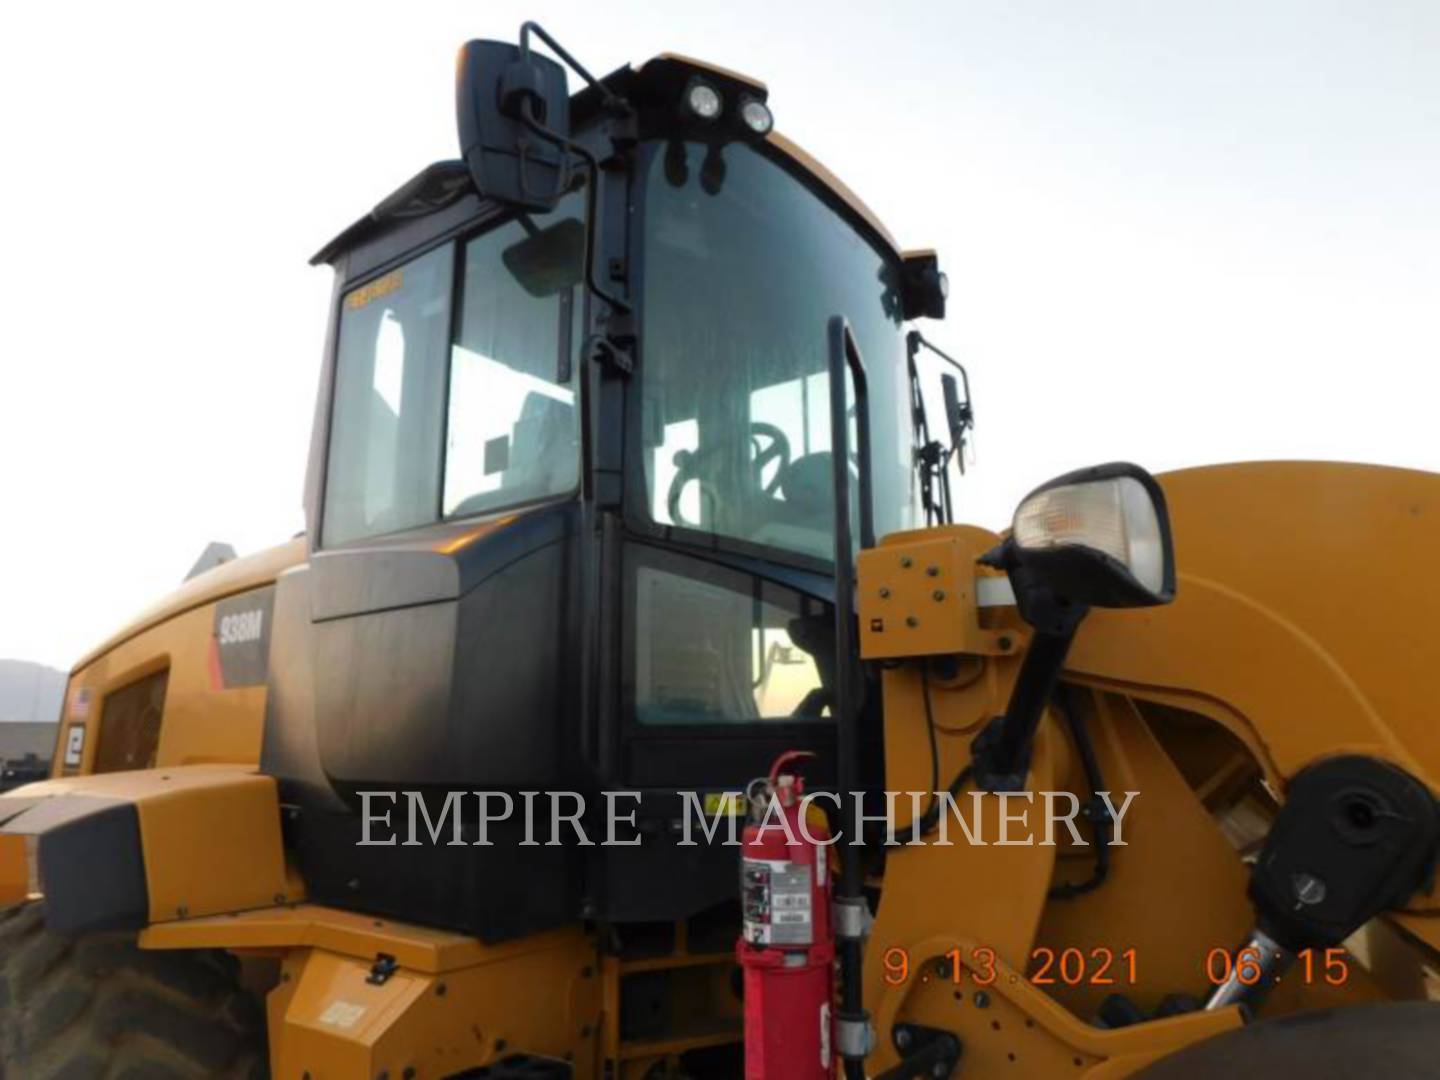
(786, 947)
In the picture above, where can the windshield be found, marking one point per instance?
(744, 267)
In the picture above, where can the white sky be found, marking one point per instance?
(1175, 233)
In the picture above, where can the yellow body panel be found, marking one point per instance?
(209, 835)
(202, 722)
(916, 594)
(14, 869)
(227, 579)
(1303, 612)
(452, 1003)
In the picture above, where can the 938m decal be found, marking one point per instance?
(240, 640)
(241, 627)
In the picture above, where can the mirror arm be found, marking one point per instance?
(1001, 752)
(531, 27)
(592, 198)
(915, 339)
(960, 418)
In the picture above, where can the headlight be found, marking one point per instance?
(1099, 536)
(703, 100)
(756, 115)
(1116, 517)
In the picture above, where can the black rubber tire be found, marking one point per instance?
(1389, 1041)
(96, 1006)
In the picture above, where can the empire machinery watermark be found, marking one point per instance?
(565, 818)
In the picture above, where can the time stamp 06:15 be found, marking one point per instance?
(1101, 966)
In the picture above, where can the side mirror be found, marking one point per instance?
(501, 93)
(959, 415)
(1099, 537)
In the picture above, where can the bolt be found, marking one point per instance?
(1004, 643)
(279, 898)
(884, 593)
(933, 571)
(911, 621)
(1309, 889)
(938, 594)
(499, 1045)
(982, 999)
(440, 989)
(906, 561)
(902, 1038)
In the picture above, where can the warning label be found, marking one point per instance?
(777, 902)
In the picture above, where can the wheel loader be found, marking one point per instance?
(632, 472)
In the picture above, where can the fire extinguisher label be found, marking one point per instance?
(778, 908)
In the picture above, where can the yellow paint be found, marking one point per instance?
(1300, 587)
(186, 816)
(917, 595)
(328, 1019)
(14, 869)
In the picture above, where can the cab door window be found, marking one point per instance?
(383, 470)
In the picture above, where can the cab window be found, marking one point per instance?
(444, 412)
(383, 472)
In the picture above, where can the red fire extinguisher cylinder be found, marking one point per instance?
(786, 947)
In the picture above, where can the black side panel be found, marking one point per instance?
(658, 880)
(496, 893)
(471, 686)
(93, 872)
(461, 693)
(289, 751)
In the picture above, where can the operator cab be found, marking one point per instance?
(571, 496)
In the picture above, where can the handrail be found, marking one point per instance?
(845, 356)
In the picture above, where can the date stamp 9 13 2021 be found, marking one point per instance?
(1103, 966)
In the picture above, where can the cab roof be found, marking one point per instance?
(659, 80)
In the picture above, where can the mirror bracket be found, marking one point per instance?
(1001, 752)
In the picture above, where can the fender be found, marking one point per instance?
(1301, 620)
(124, 850)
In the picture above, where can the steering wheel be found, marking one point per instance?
(779, 449)
(689, 463)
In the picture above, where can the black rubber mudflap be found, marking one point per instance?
(1388, 1041)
